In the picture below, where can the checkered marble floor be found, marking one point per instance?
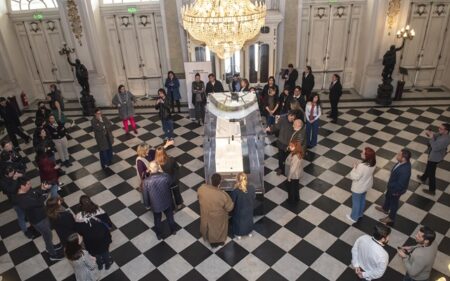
(308, 241)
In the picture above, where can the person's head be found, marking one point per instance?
(98, 113)
(197, 77)
(162, 93)
(290, 66)
(48, 97)
(153, 167)
(252, 90)
(235, 77)
(170, 75)
(291, 116)
(87, 206)
(161, 156)
(51, 119)
(381, 233)
(368, 156)
(444, 128)
(295, 105)
(212, 77)
(403, 156)
(2, 101)
(121, 89)
(9, 171)
(242, 182)
(286, 90)
(315, 98)
(7, 145)
(53, 206)
(77, 61)
(295, 148)
(216, 179)
(425, 236)
(271, 81)
(53, 87)
(142, 150)
(24, 185)
(308, 69)
(335, 77)
(392, 48)
(272, 91)
(41, 104)
(73, 248)
(244, 83)
(297, 91)
(298, 124)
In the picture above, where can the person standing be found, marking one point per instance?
(307, 82)
(285, 101)
(42, 141)
(397, 185)
(84, 265)
(173, 90)
(32, 203)
(61, 219)
(312, 114)
(335, 95)
(56, 102)
(11, 157)
(42, 114)
(299, 133)
(199, 98)
(94, 225)
(157, 195)
(284, 127)
(102, 128)
(163, 107)
(362, 180)
(270, 84)
(369, 258)
(125, 101)
(419, 259)
(12, 122)
(271, 106)
(236, 83)
(48, 171)
(213, 86)
(299, 96)
(57, 131)
(294, 171)
(170, 166)
(437, 149)
(290, 77)
(215, 204)
(243, 197)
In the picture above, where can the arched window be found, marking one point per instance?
(25, 5)
(111, 2)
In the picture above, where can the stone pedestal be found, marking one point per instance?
(384, 93)
(87, 103)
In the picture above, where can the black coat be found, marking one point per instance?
(56, 132)
(242, 217)
(9, 187)
(164, 109)
(64, 225)
(292, 78)
(96, 235)
(307, 84)
(335, 92)
(10, 116)
(103, 133)
(265, 91)
(13, 159)
(32, 203)
(42, 114)
(285, 103)
(216, 88)
(171, 167)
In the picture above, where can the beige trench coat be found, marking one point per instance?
(214, 207)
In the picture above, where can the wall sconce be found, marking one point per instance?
(320, 12)
(125, 21)
(340, 11)
(66, 50)
(393, 10)
(51, 25)
(406, 33)
(34, 26)
(421, 9)
(440, 9)
(144, 20)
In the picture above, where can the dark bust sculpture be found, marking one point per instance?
(389, 61)
(82, 75)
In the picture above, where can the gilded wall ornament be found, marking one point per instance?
(75, 20)
(393, 10)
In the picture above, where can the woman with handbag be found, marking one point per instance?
(170, 166)
(94, 225)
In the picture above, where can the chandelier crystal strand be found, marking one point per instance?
(223, 25)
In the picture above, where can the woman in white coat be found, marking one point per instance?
(362, 177)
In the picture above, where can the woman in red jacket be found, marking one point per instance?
(48, 171)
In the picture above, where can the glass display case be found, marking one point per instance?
(234, 139)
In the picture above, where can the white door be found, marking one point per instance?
(40, 42)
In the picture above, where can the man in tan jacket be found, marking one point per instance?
(215, 204)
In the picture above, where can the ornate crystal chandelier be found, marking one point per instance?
(223, 25)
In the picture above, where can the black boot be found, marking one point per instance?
(178, 106)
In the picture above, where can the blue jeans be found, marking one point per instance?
(312, 129)
(53, 193)
(43, 227)
(167, 126)
(358, 204)
(270, 120)
(157, 219)
(21, 218)
(106, 157)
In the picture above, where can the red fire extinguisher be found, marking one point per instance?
(24, 99)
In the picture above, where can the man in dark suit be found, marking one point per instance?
(307, 82)
(290, 77)
(12, 123)
(335, 95)
(397, 185)
(213, 86)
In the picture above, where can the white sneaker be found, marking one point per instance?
(238, 237)
(350, 218)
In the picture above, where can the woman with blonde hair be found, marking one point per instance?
(294, 171)
(244, 199)
(170, 166)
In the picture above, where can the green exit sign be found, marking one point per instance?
(132, 10)
(38, 16)
(333, 1)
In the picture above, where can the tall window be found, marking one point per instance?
(204, 54)
(109, 2)
(233, 65)
(259, 63)
(25, 5)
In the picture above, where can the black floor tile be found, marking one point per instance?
(269, 253)
(160, 253)
(306, 252)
